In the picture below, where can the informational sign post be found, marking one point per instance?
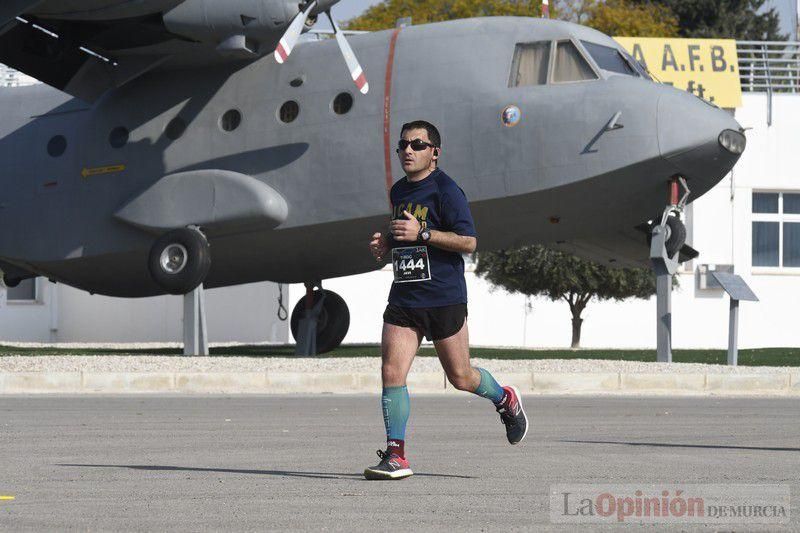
(737, 289)
(708, 68)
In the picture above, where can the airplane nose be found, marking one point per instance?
(701, 141)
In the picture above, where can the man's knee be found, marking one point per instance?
(462, 379)
(392, 375)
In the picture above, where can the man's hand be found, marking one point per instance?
(379, 246)
(405, 230)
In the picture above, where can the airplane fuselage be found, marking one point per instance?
(560, 174)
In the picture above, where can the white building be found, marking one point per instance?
(751, 220)
(11, 78)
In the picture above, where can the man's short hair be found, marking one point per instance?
(433, 133)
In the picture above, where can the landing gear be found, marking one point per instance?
(11, 282)
(668, 249)
(675, 233)
(179, 260)
(667, 234)
(321, 326)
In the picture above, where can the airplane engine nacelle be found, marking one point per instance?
(252, 26)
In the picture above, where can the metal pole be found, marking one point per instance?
(307, 326)
(733, 333)
(768, 71)
(195, 333)
(53, 311)
(664, 315)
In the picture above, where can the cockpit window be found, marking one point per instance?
(531, 61)
(570, 64)
(608, 58)
(637, 66)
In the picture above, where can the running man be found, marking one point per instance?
(431, 227)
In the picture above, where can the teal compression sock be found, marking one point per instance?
(396, 407)
(489, 387)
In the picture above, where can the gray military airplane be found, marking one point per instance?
(188, 142)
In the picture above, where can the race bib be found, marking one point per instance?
(411, 264)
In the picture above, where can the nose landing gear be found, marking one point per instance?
(668, 250)
(670, 227)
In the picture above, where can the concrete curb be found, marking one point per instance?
(781, 384)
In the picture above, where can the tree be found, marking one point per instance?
(384, 15)
(613, 17)
(624, 18)
(536, 270)
(728, 19)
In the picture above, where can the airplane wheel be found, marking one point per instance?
(12, 282)
(334, 320)
(179, 260)
(676, 235)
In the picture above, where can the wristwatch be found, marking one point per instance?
(424, 235)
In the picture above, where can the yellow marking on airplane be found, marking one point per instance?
(97, 171)
(6, 497)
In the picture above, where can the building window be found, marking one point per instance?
(24, 292)
(776, 229)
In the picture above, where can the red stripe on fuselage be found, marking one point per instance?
(387, 112)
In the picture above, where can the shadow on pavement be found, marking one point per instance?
(287, 473)
(670, 445)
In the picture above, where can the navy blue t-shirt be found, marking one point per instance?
(439, 204)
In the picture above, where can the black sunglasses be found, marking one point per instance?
(416, 145)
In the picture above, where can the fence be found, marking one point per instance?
(769, 66)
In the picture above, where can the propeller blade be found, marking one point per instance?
(289, 39)
(356, 72)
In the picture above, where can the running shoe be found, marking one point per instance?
(391, 467)
(513, 416)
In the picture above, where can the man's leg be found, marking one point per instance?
(399, 346)
(453, 353)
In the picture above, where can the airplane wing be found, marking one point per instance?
(11, 8)
(86, 47)
(82, 57)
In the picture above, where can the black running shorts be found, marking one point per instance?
(436, 323)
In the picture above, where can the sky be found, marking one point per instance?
(345, 10)
(787, 9)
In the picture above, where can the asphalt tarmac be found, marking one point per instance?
(235, 463)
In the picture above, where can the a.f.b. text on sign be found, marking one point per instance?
(708, 68)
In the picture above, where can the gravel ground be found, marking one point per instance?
(151, 363)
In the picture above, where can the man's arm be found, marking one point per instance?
(407, 230)
(379, 246)
(452, 242)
